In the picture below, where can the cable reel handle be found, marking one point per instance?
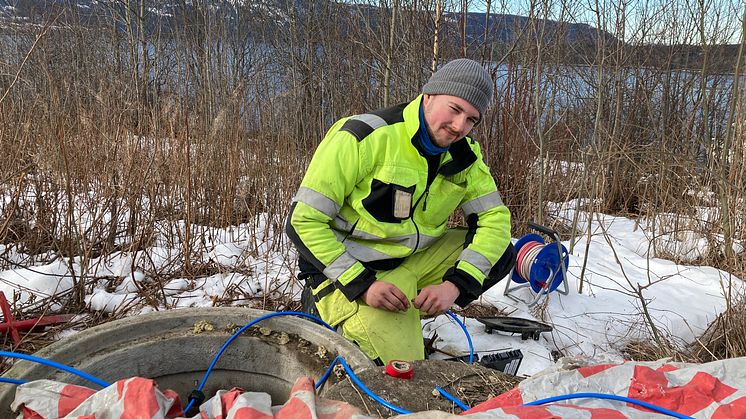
(543, 229)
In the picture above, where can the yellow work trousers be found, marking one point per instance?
(393, 335)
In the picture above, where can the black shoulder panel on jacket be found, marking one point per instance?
(363, 125)
(392, 114)
(357, 128)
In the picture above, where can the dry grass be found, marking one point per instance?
(726, 336)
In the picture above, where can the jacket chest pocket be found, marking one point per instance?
(443, 199)
(389, 202)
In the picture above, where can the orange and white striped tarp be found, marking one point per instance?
(140, 398)
(713, 390)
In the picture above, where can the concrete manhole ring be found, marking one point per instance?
(175, 348)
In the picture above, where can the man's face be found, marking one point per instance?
(448, 118)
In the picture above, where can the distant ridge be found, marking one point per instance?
(503, 28)
(506, 28)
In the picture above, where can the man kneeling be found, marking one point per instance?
(370, 217)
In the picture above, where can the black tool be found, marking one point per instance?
(527, 328)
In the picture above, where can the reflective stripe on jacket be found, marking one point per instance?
(365, 198)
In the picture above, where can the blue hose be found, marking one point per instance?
(12, 381)
(362, 386)
(57, 365)
(578, 396)
(328, 371)
(466, 332)
(241, 330)
(608, 397)
(397, 409)
(556, 398)
(323, 378)
(452, 398)
(347, 368)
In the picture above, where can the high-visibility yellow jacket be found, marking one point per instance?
(365, 202)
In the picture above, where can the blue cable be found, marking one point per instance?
(608, 397)
(57, 365)
(12, 381)
(397, 409)
(452, 398)
(362, 386)
(323, 378)
(241, 330)
(347, 368)
(578, 396)
(466, 332)
(328, 371)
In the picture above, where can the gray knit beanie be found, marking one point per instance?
(462, 78)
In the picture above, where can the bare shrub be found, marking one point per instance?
(121, 125)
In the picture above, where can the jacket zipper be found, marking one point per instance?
(416, 228)
(424, 208)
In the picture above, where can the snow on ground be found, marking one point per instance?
(621, 276)
(621, 281)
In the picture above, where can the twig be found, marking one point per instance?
(638, 289)
(360, 395)
(28, 54)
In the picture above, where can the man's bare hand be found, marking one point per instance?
(437, 299)
(386, 297)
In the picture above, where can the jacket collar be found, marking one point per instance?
(462, 156)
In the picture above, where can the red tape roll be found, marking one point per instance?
(400, 369)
